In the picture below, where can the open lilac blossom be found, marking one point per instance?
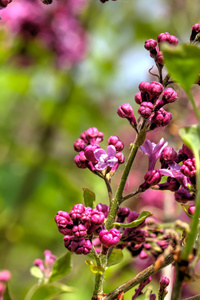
(174, 172)
(153, 151)
(105, 159)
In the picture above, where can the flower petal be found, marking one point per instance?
(98, 153)
(111, 151)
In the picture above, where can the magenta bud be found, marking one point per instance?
(97, 217)
(160, 58)
(150, 44)
(144, 86)
(84, 247)
(126, 111)
(168, 155)
(163, 37)
(77, 211)
(155, 89)
(169, 95)
(5, 275)
(161, 118)
(89, 152)
(79, 145)
(143, 254)
(109, 238)
(164, 281)
(146, 109)
(191, 209)
(92, 136)
(79, 230)
(116, 142)
(188, 168)
(120, 157)
(138, 98)
(103, 208)
(195, 31)
(80, 160)
(152, 177)
(62, 219)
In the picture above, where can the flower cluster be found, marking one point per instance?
(151, 107)
(91, 155)
(153, 47)
(56, 27)
(46, 265)
(179, 167)
(4, 278)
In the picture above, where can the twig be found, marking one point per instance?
(138, 279)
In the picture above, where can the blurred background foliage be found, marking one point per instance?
(48, 99)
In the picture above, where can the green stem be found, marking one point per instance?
(195, 219)
(118, 197)
(190, 96)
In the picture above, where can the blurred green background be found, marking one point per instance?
(45, 107)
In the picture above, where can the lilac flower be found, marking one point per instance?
(153, 151)
(174, 172)
(105, 159)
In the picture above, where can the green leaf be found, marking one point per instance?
(115, 257)
(89, 198)
(185, 208)
(138, 221)
(183, 63)
(191, 137)
(36, 272)
(6, 295)
(61, 267)
(93, 268)
(48, 291)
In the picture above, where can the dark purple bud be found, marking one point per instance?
(188, 168)
(77, 211)
(182, 195)
(172, 184)
(138, 98)
(152, 297)
(109, 238)
(150, 44)
(191, 209)
(84, 247)
(136, 236)
(122, 213)
(133, 215)
(195, 31)
(62, 219)
(4, 3)
(126, 111)
(152, 177)
(116, 142)
(80, 160)
(164, 282)
(184, 153)
(120, 157)
(103, 208)
(79, 145)
(146, 109)
(168, 155)
(79, 230)
(89, 152)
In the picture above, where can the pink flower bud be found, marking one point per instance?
(116, 142)
(152, 177)
(89, 152)
(191, 209)
(195, 31)
(109, 238)
(188, 168)
(150, 44)
(138, 98)
(126, 111)
(169, 95)
(5, 275)
(164, 281)
(79, 145)
(77, 211)
(168, 155)
(146, 109)
(80, 160)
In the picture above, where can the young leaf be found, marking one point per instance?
(138, 221)
(89, 198)
(93, 268)
(36, 272)
(191, 137)
(115, 257)
(48, 291)
(61, 267)
(182, 63)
